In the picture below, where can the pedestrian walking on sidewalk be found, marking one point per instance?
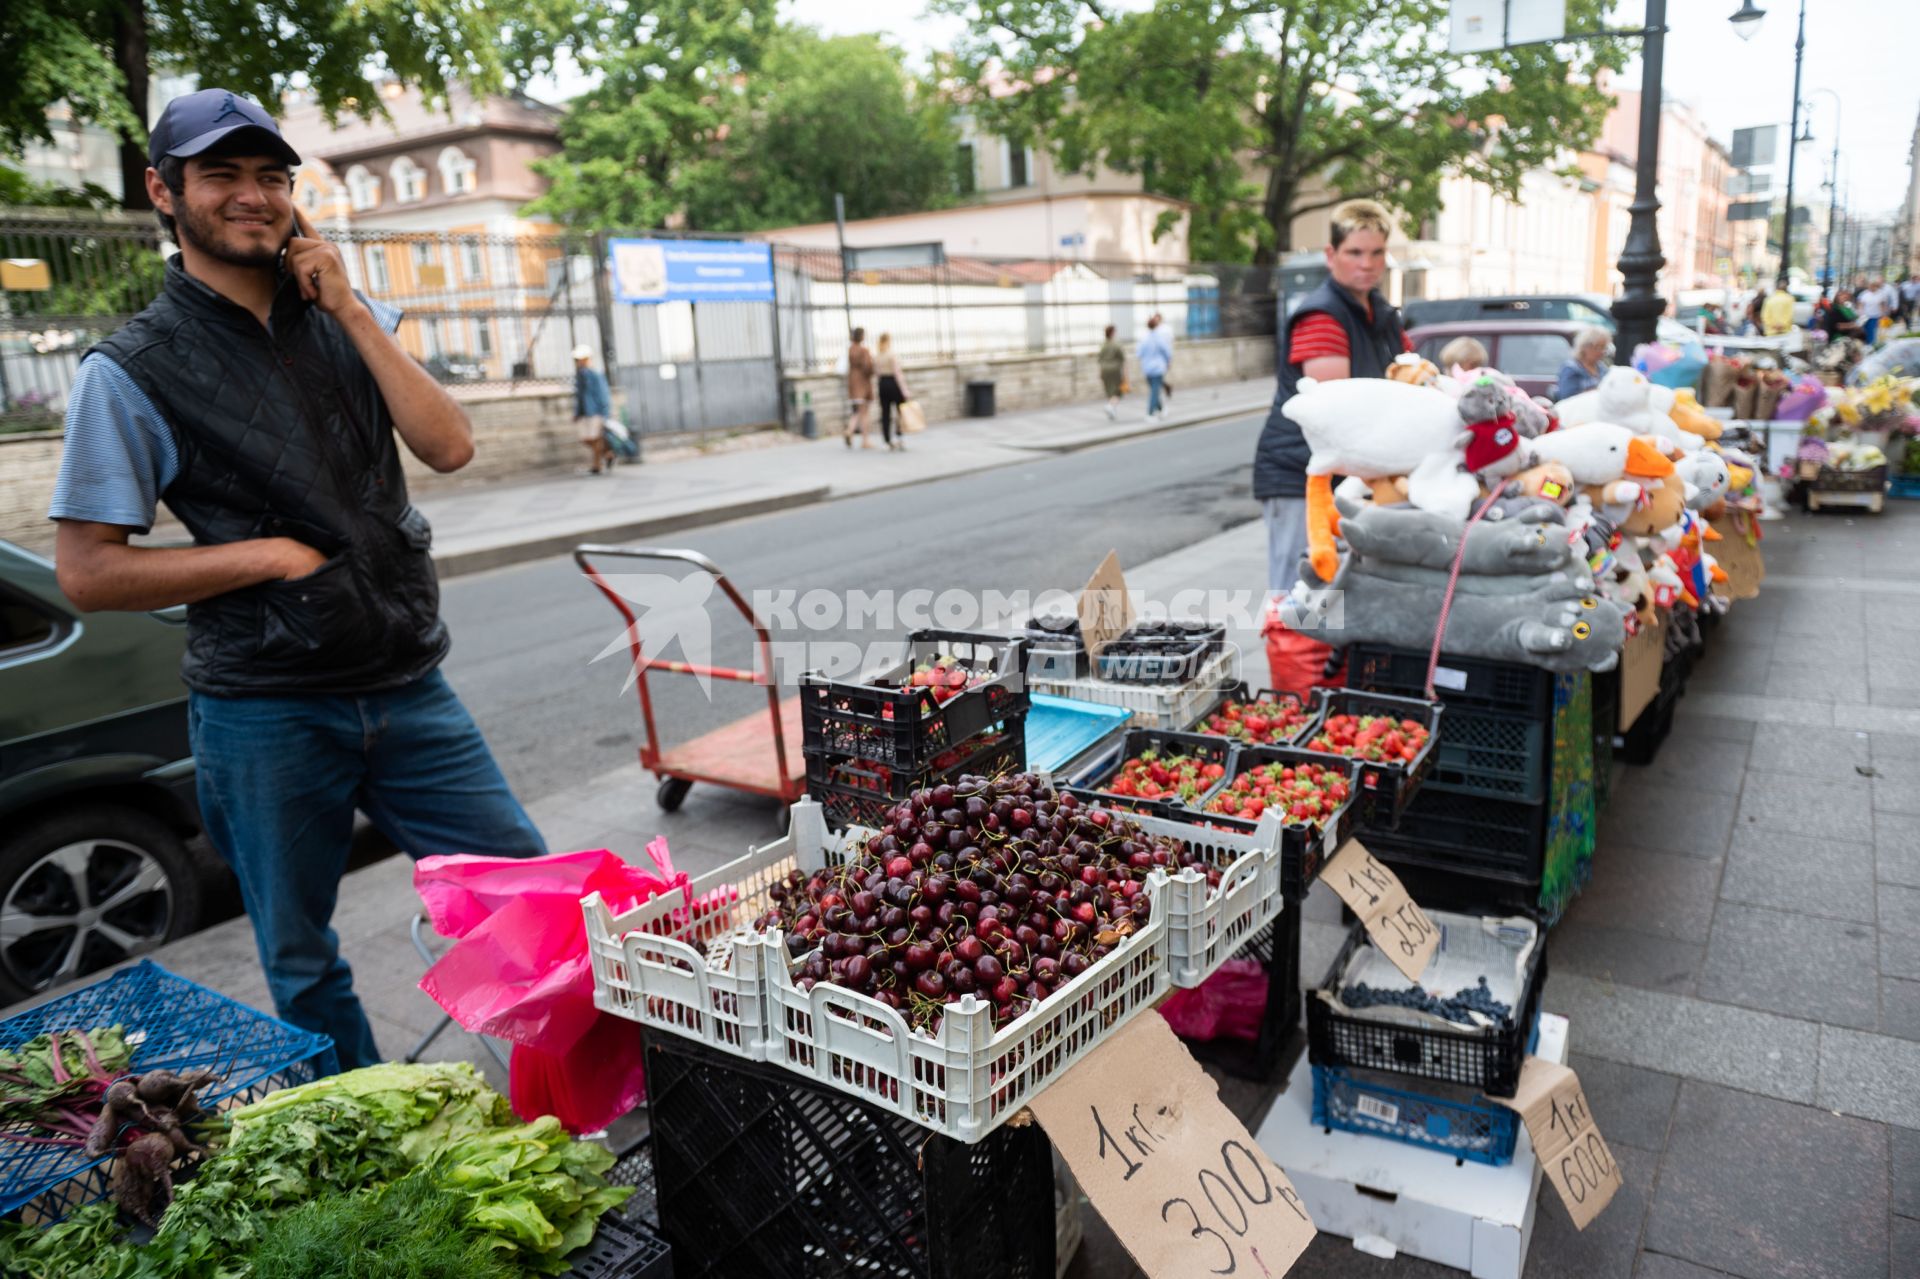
(859, 389)
(893, 391)
(1345, 328)
(260, 398)
(1776, 313)
(1113, 371)
(592, 403)
(1155, 356)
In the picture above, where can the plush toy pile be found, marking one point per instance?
(1582, 521)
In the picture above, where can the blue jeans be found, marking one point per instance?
(1869, 328)
(1153, 392)
(279, 779)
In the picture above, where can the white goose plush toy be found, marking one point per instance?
(1624, 398)
(1371, 428)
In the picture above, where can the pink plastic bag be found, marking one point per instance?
(520, 971)
(1227, 1005)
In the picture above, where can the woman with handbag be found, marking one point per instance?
(893, 392)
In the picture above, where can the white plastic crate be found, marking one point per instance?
(1173, 706)
(691, 962)
(1205, 926)
(967, 1078)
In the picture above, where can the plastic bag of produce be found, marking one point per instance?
(1296, 662)
(1227, 1005)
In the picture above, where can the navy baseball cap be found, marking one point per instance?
(194, 123)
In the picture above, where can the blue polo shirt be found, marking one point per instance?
(120, 454)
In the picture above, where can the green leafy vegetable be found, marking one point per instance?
(411, 1229)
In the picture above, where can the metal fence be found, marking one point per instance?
(501, 314)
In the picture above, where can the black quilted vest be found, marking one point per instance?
(1280, 459)
(282, 432)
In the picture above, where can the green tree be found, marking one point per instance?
(1258, 111)
(832, 115)
(747, 126)
(674, 82)
(98, 55)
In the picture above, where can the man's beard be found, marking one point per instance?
(205, 232)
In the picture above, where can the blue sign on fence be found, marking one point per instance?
(647, 271)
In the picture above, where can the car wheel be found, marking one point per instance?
(82, 891)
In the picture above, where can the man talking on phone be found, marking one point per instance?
(259, 396)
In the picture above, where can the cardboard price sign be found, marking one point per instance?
(1576, 1158)
(1394, 921)
(1174, 1173)
(1106, 610)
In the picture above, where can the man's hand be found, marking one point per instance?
(317, 267)
(294, 559)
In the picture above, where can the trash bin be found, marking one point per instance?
(979, 399)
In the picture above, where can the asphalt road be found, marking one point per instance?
(525, 637)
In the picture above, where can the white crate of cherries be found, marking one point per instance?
(969, 951)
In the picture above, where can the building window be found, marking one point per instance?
(471, 268)
(430, 337)
(422, 253)
(377, 280)
(457, 171)
(363, 189)
(409, 181)
(483, 337)
(964, 180)
(1019, 166)
(310, 195)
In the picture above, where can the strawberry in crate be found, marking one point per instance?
(1267, 720)
(1303, 793)
(1164, 775)
(1377, 739)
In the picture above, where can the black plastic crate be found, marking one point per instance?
(1513, 687)
(1385, 789)
(1303, 848)
(882, 718)
(1495, 754)
(858, 792)
(1270, 1057)
(1606, 718)
(1449, 827)
(1463, 889)
(1238, 692)
(1642, 740)
(633, 1166)
(1055, 649)
(623, 1249)
(1488, 1058)
(763, 1172)
(1153, 661)
(1212, 750)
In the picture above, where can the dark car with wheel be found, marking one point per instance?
(96, 784)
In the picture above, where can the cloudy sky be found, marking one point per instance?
(1867, 51)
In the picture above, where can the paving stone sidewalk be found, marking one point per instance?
(1742, 975)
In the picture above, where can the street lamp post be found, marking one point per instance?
(1833, 187)
(1746, 22)
(1637, 310)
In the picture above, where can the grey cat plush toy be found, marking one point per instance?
(1571, 582)
(1531, 542)
(1563, 635)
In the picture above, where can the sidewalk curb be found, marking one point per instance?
(480, 559)
(1075, 443)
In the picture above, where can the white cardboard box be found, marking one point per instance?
(1391, 1198)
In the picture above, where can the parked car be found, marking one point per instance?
(1581, 308)
(455, 368)
(1529, 351)
(96, 784)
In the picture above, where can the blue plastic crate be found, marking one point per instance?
(181, 1025)
(1904, 485)
(1357, 1101)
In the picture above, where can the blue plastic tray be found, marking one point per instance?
(183, 1026)
(1061, 729)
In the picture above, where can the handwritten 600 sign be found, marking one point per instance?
(1174, 1173)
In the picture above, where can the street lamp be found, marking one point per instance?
(1637, 311)
(1833, 185)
